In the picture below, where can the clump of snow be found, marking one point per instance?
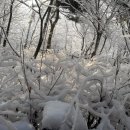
(54, 117)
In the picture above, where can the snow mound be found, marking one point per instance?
(54, 117)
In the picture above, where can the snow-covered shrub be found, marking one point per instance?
(96, 88)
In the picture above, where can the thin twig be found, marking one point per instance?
(53, 85)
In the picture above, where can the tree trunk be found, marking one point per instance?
(53, 24)
(28, 32)
(98, 38)
(40, 40)
(2, 23)
(125, 39)
(103, 44)
(9, 22)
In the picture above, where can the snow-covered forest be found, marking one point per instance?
(64, 65)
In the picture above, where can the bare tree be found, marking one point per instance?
(43, 27)
(100, 14)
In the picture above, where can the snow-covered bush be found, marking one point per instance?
(94, 93)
